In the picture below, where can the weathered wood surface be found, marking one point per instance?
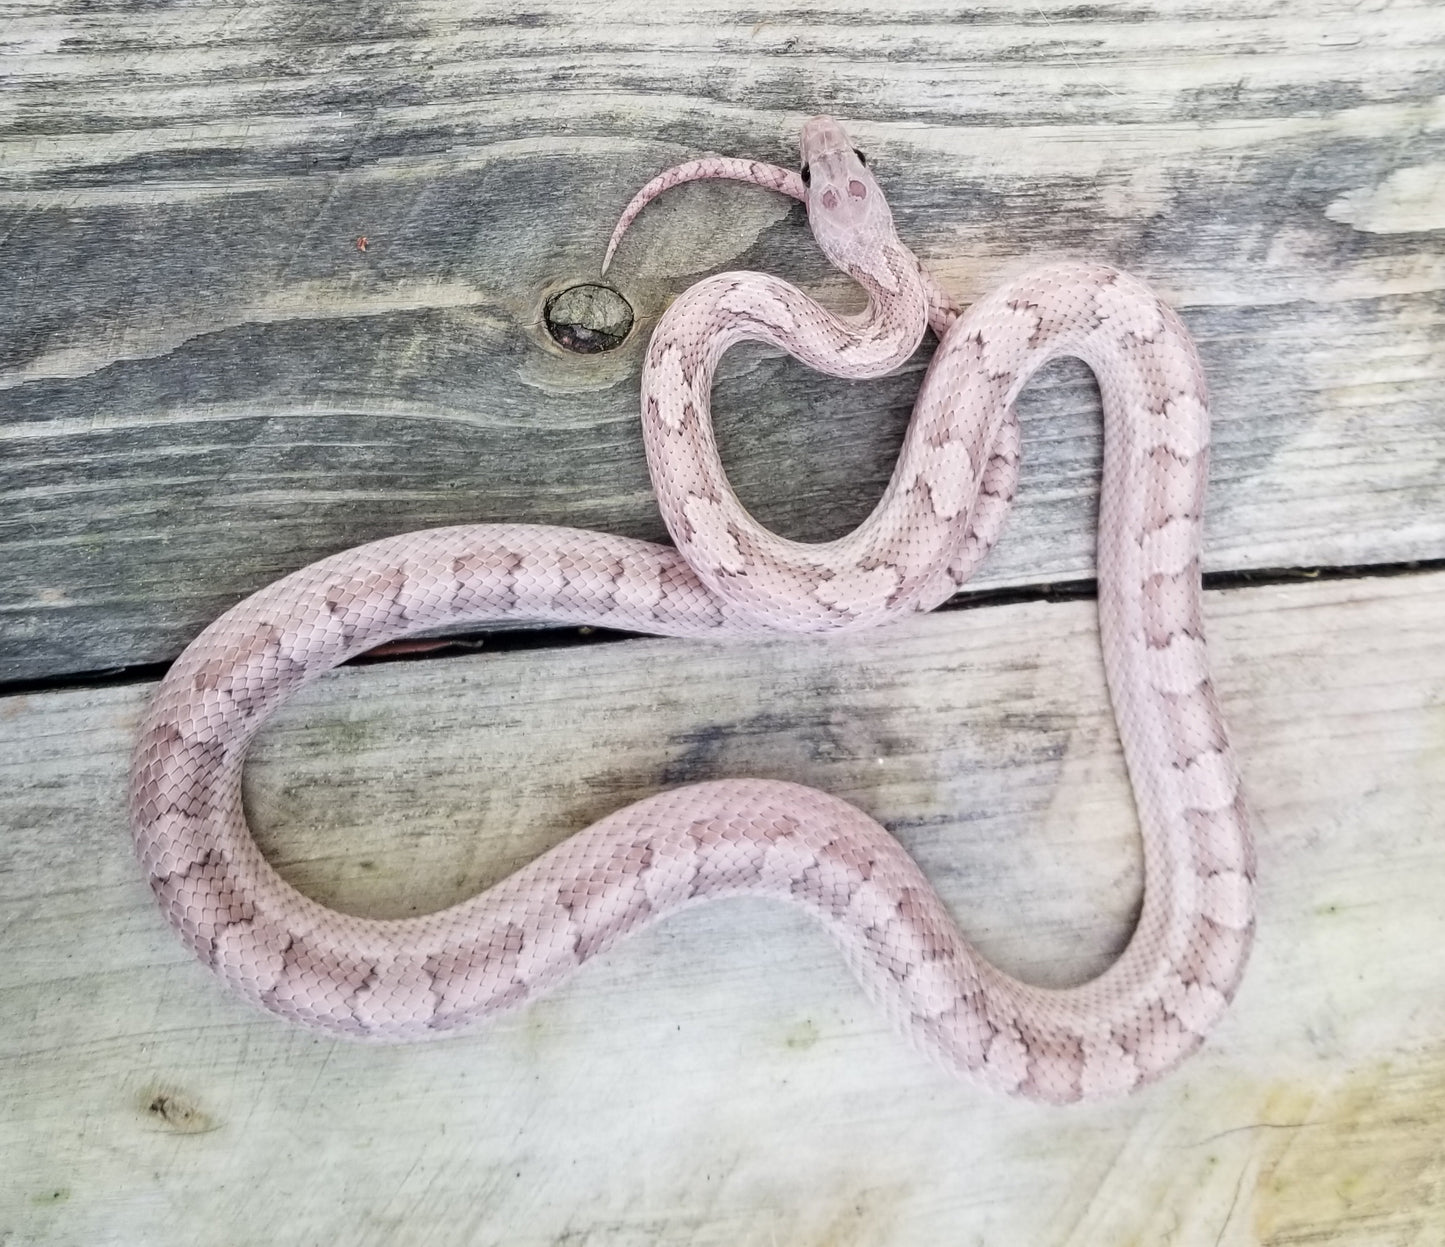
(719, 1079)
(204, 382)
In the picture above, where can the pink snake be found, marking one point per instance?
(430, 976)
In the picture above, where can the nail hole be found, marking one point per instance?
(588, 318)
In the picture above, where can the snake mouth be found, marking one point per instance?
(822, 136)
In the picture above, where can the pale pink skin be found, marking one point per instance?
(423, 977)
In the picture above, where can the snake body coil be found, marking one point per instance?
(427, 976)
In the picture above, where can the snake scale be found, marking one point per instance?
(942, 510)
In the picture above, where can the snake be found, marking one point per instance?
(439, 973)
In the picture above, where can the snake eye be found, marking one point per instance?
(807, 176)
(862, 156)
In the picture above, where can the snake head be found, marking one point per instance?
(846, 209)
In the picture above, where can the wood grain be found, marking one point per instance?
(720, 1079)
(206, 382)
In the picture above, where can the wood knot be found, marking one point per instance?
(588, 318)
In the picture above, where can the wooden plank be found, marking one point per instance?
(206, 383)
(720, 1079)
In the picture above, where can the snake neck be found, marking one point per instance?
(729, 308)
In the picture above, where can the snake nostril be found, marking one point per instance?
(856, 189)
(588, 318)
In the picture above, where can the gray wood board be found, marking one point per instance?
(719, 1079)
(205, 383)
